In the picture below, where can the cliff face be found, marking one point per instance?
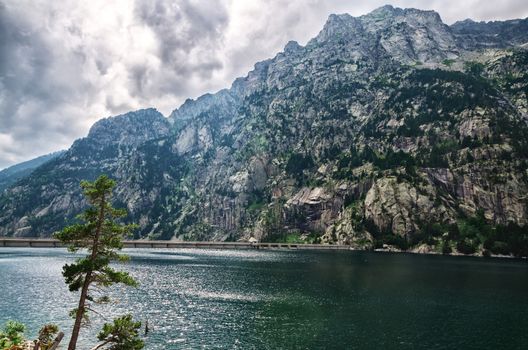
(381, 129)
(482, 35)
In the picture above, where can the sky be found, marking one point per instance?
(66, 64)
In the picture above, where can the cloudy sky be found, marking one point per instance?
(65, 64)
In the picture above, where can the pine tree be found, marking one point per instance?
(122, 334)
(100, 234)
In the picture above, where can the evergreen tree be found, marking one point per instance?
(101, 236)
(12, 335)
(122, 334)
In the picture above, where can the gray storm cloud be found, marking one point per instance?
(66, 64)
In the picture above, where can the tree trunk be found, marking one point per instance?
(80, 312)
(57, 341)
(87, 280)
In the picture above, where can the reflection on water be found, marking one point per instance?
(289, 299)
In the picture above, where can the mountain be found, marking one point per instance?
(10, 175)
(482, 35)
(390, 130)
(51, 193)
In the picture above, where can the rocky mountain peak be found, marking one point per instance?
(407, 35)
(387, 15)
(339, 27)
(467, 21)
(292, 46)
(411, 35)
(130, 129)
(224, 100)
(385, 11)
(496, 34)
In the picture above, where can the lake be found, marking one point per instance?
(228, 299)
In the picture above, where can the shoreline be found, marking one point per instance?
(145, 244)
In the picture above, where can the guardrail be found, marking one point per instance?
(53, 243)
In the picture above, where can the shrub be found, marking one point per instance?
(122, 334)
(466, 246)
(448, 62)
(297, 163)
(474, 68)
(12, 335)
(396, 241)
(446, 248)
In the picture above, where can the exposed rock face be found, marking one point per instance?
(221, 105)
(399, 207)
(498, 34)
(128, 130)
(381, 126)
(411, 35)
(502, 201)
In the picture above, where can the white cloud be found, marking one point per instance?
(65, 64)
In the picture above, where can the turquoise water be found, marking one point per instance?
(227, 299)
